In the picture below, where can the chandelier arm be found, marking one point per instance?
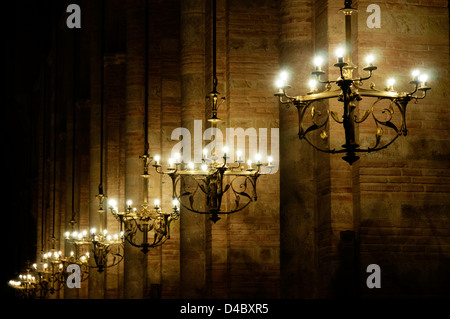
(401, 104)
(366, 78)
(302, 110)
(424, 94)
(416, 86)
(324, 150)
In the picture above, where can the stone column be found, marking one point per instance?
(134, 261)
(192, 226)
(297, 158)
(96, 279)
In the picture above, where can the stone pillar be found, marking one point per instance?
(96, 279)
(134, 261)
(193, 226)
(297, 158)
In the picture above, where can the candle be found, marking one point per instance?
(249, 163)
(340, 54)
(269, 160)
(390, 84)
(423, 79)
(258, 158)
(415, 74)
(281, 81)
(225, 151)
(318, 61)
(313, 85)
(239, 156)
(156, 158)
(171, 162)
(369, 59)
(157, 202)
(177, 158)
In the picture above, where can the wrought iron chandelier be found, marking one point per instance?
(314, 112)
(26, 283)
(151, 222)
(197, 184)
(50, 272)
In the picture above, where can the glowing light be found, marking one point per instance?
(370, 58)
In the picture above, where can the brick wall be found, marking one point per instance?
(318, 222)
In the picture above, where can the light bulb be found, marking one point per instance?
(312, 84)
(239, 155)
(112, 202)
(175, 202)
(171, 161)
(67, 234)
(249, 163)
(129, 202)
(340, 51)
(156, 158)
(370, 58)
(205, 152)
(423, 78)
(270, 160)
(390, 84)
(204, 167)
(258, 157)
(157, 202)
(318, 61)
(281, 81)
(93, 230)
(415, 73)
(191, 165)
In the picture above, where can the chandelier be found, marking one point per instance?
(151, 222)
(314, 112)
(50, 272)
(197, 184)
(26, 283)
(93, 249)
